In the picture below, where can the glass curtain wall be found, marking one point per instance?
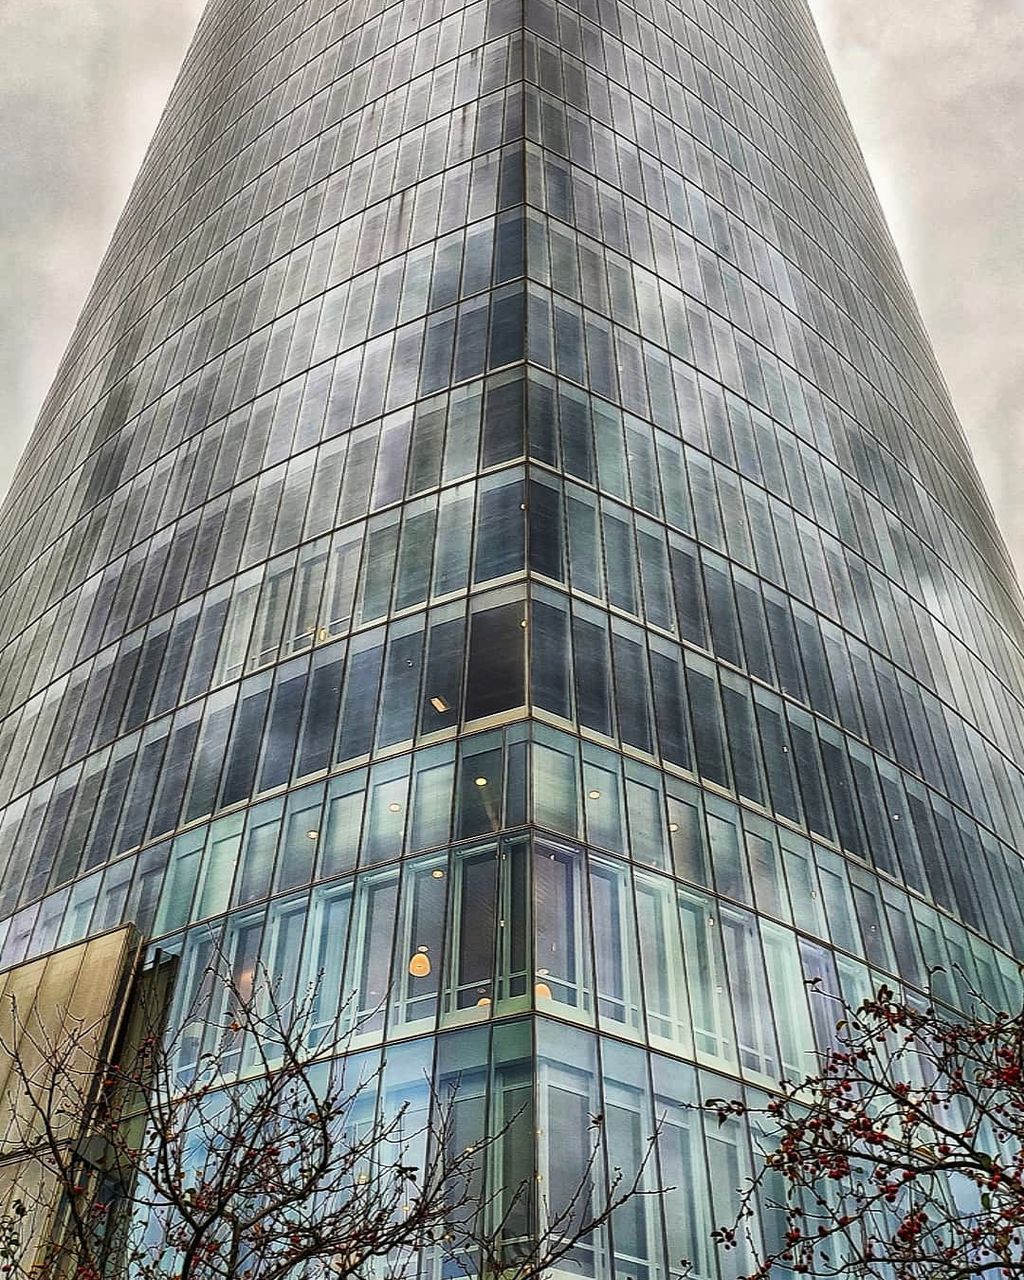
(499, 540)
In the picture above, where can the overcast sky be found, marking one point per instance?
(935, 89)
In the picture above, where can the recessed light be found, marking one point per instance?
(673, 826)
(594, 795)
(437, 873)
(312, 834)
(395, 807)
(439, 704)
(480, 782)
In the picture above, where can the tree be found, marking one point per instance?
(229, 1148)
(901, 1157)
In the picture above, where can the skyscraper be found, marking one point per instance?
(499, 539)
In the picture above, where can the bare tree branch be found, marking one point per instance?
(901, 1157)
(227, 1148)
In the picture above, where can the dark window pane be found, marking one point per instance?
(593, 669)
(501, 532)
(442, 682)
(396, 720)
(503, 421)
(508, 328)
(808, 767)
(670, 706)
(240, 772)
(546, 531)
(282, 727)
(495, 678)
(360, 702)
(549, 658)
(631, 692)
(707, 727)
(689, 597)
(744, 743)
(321, 712)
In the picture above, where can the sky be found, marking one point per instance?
(935, 89)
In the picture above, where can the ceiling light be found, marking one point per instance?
(594, 795)
(394, 807)
(439, 704)
(480, 782)
(312, 834)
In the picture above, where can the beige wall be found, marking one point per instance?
(60, 1014)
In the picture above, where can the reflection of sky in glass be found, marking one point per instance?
(497, 554)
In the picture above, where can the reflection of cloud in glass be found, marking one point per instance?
(81, 89)
(936, 93)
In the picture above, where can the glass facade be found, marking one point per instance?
(499, 539)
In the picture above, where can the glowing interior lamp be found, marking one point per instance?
(542, 991)
(394, 807)
(480, 782)
(437, 873)
(419, 965)
(673, 826)
(312, 834)
(594, 795)
(439, 704)
(483, 1002)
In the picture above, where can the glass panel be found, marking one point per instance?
(368, 963)
(688, 1212)
(785, 982)
(603, 799)
(615, 947)
(555, 782)
(495, 677)
(470, 966)
(755, 1034)
(259, 850)
(668, 1019)
(563, 978)
(568, 1099)
(431, 804)
(323, 963)
(300, 838)
(419, 947)
(706, 979)
(387, 796)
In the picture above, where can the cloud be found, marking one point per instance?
(82, 84)
(935, 89)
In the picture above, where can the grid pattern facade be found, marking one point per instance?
(499, 505)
